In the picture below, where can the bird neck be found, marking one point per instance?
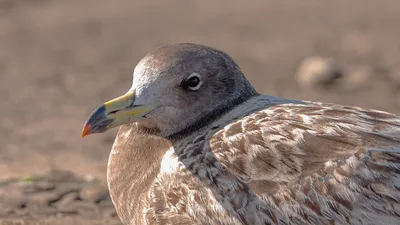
(211, 116)
(134, 163)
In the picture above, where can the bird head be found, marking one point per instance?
(173, 88)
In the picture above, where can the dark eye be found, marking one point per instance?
(193, 82)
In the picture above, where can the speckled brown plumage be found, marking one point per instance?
(286, 164)
(262, 160)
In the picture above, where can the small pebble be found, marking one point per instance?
(318, 72)
(94, 193)
(67, 199)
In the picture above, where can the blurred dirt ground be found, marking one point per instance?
(60, 59)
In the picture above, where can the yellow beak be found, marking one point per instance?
(113, 113)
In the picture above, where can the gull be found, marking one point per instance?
(197, 144)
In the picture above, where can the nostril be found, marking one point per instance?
(113, 112)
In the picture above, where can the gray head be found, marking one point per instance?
(176, 88)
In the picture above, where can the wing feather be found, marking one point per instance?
(287, 142)
(317, 163)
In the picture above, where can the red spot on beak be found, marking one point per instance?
(86, 130)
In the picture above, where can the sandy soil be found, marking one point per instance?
(60, 59)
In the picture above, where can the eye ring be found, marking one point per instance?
(193, 82)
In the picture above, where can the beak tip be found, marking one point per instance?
(85, 130)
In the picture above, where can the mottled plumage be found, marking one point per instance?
(252, 159)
